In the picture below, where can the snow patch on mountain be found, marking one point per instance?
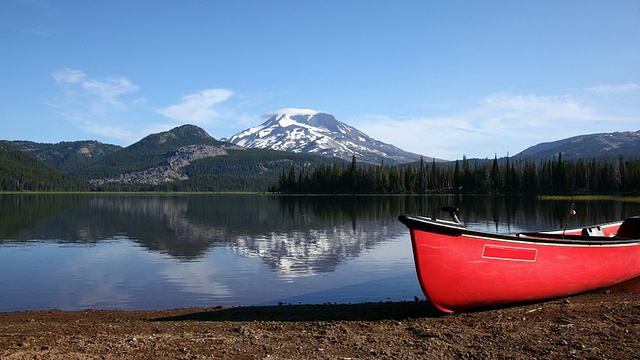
(314, 132)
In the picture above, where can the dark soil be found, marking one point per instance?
(591, 326)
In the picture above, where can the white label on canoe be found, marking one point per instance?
(509, 253)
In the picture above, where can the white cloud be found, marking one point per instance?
(99, 107)
(505, 114)
(110, 90)
(110, 107)
(295, 111)
(197, 108)
(619, 88)
(197, 277)
(516, 106)
(504, 123)
(70, 76)
(440, 137)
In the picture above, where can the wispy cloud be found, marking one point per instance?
(618, 89)
(197, 108)
(504, 123)
(99, 107)
(197, 277)
(290, 111)
(112, 107)
(69, 76)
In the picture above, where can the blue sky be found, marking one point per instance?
(439, 78)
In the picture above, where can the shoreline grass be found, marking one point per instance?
(590, 198)
(621, 198)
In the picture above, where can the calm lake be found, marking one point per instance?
(74, 252)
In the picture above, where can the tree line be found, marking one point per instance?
(22, 172)
(553, 176)
(240, 170)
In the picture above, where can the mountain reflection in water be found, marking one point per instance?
(235, 249)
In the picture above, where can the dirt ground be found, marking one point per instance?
(590, 326)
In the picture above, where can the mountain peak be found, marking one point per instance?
(190, 131)
(317, 119)
(179, 136)
(318, 133)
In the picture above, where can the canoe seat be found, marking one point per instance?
(630, 228)
(592, 231)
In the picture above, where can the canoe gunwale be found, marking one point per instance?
(414, 222)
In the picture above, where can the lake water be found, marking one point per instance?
(74, 252)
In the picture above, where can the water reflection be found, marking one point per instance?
(292, 234)
(160, 251)
(286, 230)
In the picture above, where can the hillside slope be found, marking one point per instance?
(598, 146)
(186, 158)
(22, 172)
(157, 150)
(67, 156)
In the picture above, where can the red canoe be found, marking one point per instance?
(461, 269)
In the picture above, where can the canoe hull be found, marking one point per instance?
(461, 270)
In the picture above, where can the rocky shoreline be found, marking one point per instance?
(588, 326)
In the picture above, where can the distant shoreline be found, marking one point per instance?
(594, 197)
(135, 193)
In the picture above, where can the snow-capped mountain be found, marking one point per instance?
(318, 133)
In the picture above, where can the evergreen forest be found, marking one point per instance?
(504, 176)
(241, 170)
(23, 172)
(268, 170)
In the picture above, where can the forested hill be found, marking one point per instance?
(188, 159)
(246, 169)
(185, 158)
(67, 156)
(22, 172)
(152, 151)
